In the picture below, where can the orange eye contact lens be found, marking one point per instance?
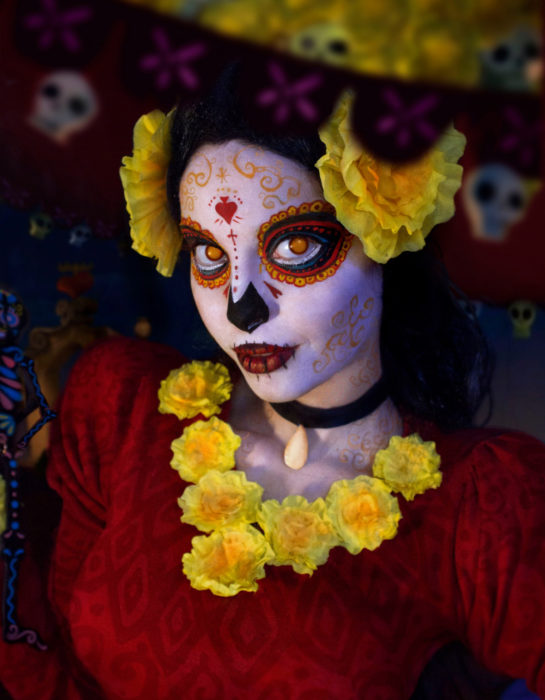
(213, 253)
(298, 245)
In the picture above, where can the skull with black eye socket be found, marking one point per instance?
(41, 225)
(514, 62)
(523, 314)
(328, 42)
(79, 235)
(495, 198)
(64, 104)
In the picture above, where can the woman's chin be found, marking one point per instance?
(276, 387)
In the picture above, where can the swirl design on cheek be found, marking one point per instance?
(209, 264)
(303, 245)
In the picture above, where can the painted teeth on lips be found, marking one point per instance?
(263, 358)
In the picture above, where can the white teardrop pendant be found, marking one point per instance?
(296, 452)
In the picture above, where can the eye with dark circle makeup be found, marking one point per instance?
(304, 248)
(300, 251)
(210, 264)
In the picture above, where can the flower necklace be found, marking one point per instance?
(246, 532)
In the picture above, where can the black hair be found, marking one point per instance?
(434, 355)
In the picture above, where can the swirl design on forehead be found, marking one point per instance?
(276, 188)
(194, 235)
(313, 223)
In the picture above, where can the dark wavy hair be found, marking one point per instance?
(434, 355)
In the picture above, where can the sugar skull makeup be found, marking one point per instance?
(283, 288)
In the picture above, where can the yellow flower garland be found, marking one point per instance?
(246, 533)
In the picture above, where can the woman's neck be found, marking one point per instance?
(336, 453)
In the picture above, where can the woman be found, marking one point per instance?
(314, 580)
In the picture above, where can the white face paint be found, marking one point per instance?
(309, 324)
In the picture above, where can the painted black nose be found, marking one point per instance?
(249, 312)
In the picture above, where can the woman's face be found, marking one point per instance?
(280, 285)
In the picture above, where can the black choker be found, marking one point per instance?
(311, 417)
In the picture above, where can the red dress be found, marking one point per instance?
(467, 564)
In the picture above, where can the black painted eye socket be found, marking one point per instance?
(50, 90)
(484, 191)
(531, 50)
(501, 53)
(77, 106)
(307, 43)
(338, 46)
(515, 200)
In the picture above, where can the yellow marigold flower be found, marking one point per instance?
(3, 511)
(300, 533)
(220, 500)
(203, 446)
(409, 466)
(196, 387)
(389, 207)
(154, 232)
(227, 561)
(363, 512)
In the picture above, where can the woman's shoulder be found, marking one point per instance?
(124, 358)
(490, 469)
(491, 451)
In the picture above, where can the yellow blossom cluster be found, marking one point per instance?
(408, 466)
(144, 174)
(390, 207)
(204, 445)
(195, 388)
(301, 533)
(363, 512)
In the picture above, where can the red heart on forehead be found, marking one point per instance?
(226, 209)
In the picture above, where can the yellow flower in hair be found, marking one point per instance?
(204, 446)
(409, 466)
(363, 512)
(3, 511)
(390, 207)
(196, 387)
(220, 499)
(300, 533)
(154, 232)
(227, 561)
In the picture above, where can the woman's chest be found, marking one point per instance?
(142, 631)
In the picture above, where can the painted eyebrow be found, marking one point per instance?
(200, 234)
(289, 221)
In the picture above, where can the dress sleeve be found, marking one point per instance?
(93, 417)
(502, 580)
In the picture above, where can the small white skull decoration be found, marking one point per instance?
(328, 42)
(523, 315)
(494, 198)
(64, 104)
(79, 235)
(514, 62)
(41, 225)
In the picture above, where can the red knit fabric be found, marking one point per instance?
(468, 564)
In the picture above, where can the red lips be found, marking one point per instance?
(262, 358)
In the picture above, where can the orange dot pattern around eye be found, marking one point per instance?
(311, 216)
(192, 230)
